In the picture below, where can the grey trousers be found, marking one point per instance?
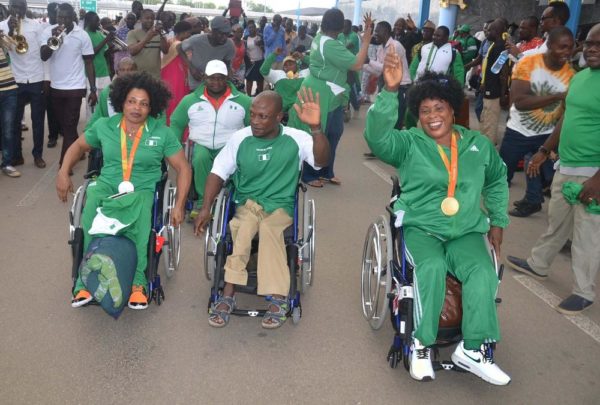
(565, 220)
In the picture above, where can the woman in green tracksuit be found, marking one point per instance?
(446, 171)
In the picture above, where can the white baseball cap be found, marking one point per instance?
(215, 66)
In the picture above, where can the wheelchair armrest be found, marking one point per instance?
(91, 173)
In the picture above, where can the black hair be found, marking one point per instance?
(533, 20)
(52, 8)
(560, 10)
(88, 18)
(386, 26)
(66, 7)
(159, 94)
(557, 33)
(333, 20)
(146, 11)
(435, 86)
(182, 26)
(445, 30)
(183, 16)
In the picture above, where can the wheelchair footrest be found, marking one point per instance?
(253, 313)
(446, 366)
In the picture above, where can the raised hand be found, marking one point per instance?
(392, 70)
(309, 109)
(368, 23)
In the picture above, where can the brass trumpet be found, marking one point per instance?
(55, 42)
(116, 42)
(21, 46)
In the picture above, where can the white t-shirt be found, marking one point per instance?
(255, 52)
(67, 68)
(435, 59)
(27, 67)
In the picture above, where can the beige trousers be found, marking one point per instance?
(489, 118)
(564, 220)
(273, 272)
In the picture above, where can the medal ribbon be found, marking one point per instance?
(127, 164)
(451, 166)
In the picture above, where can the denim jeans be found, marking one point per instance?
(479, 104)
(333, 132)
(535, 185)
(31, 93)
(8, 112)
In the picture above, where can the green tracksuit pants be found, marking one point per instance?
(202, 161)
(138, 232)
(466, 258)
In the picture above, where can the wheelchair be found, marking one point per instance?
(164, 239)
(387, 285)
(299, 239)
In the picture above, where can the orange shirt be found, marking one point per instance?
(217, 102)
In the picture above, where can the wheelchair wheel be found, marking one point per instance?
(172, 247)
(296, 315)
(308, 245)
(376, 277)
(213, 233)
(75, 229)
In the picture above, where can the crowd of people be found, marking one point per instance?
(226, 85)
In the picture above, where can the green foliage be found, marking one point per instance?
(252, 6)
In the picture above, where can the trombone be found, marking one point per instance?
(116, 42)
(55, 42)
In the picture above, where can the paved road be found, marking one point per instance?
(53, 354)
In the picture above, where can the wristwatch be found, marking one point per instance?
(93, 89)
(544, 150)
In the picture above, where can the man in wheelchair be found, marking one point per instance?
(445, 172)
(134, 144)
(264, 161)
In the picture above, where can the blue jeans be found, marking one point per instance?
(479, 105)
(8, 112)
(515, 147)
(34, 94)
(534, 192)
(333, 132)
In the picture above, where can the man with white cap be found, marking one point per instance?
(213, 112)
(214, 45)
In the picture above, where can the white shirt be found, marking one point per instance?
(27, 67)
(375, 66)
(67, 69)
(435, 59)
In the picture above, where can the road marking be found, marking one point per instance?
(581, 321)
(37, 190)
(378, 171)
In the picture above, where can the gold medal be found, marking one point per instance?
(450, 206)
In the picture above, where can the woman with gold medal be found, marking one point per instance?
(133, 143)
(454, 192)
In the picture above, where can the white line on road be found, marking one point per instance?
(37, 190)
(581, 321)
(378, 171)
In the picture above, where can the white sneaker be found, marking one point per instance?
(481, 363)
(11, 171)
(420, 362)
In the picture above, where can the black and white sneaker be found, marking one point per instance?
(481, 363)
(420, 362)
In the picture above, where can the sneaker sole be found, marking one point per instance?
(568, 312)
(137, 306)
(525, 271)
(79, 304)
(463, 364)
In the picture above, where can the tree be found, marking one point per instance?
(252, 6)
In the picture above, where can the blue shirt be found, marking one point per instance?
(273, 40)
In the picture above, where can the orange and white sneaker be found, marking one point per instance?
(81, 298)
(137, 299)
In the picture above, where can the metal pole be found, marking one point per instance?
(448, 17)
(575, 9)
(357, 12)
(298, 15)
(424, 7)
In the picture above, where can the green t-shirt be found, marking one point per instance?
(265, 171)
(157, 142)
(330, 60)
(580, 135)
(351, 38)
(100, 65)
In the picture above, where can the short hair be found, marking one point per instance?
(333, 20)
(89, 16)
(157, 91)
(436, 86)
(147, 11)
(444, 29)
(560, 10)
(273, 96)
(67, 7)
(127, 60)
(533, 20)
(182, 26)
(386, 26)
(557, 33)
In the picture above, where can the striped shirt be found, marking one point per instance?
(7, 80)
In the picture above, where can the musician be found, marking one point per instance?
(91, 23)
(69, 66)
(28, 71)
(146, 43)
